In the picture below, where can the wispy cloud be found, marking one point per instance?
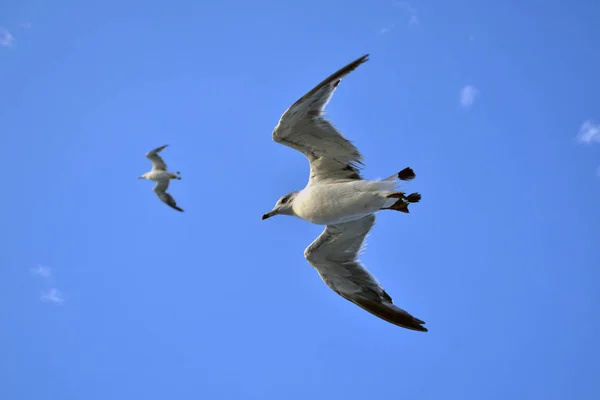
(386, 29)
(468, 95)
(412, 12)
(589, 132)
(53, 295)
(41, 270)
(6, 38)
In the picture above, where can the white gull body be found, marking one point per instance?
(338, 197)
(162, 177)
(336, 203)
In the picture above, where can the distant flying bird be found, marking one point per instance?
(338, 197)
(161, 176)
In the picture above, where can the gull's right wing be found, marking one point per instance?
(157, 161)
(303, 128)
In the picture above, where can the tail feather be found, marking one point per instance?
(406, 174)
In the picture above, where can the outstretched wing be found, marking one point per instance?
(157, 161)
(335, 256)
(303, 127)
(161, 191)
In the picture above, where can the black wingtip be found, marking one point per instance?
(348, 68)
(417, 325)
(359, 61)
(389, 312)
(414, 325)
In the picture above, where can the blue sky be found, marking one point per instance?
(109, 294)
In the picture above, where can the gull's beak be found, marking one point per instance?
(270, 214)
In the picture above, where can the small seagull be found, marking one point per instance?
(338, 197)
(161, 176)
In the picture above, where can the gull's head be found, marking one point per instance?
(142, 176)
(283, 206)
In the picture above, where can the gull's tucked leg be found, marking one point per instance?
(403, 201)
(413, 197)
(400, 205)
(396, 195)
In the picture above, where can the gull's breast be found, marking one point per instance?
(336, 203)
(158, 175)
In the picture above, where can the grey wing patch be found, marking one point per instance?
(335, 253)
(157, 161)
(303, 128)
(161, 191)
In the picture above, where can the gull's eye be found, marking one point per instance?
(285, 199)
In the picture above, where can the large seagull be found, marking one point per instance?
(161, 176)
(338, 197)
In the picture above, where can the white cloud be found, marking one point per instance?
(41, 270)
(6, 38)
(412, 11)
(589, 132)
(386, 29)
(53, 296)
(468, 94)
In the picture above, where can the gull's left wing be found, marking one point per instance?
(161, 191)
(335, 256)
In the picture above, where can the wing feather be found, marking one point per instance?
(161, 191)
(334, 254)
(157, 162)
(303, 128)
